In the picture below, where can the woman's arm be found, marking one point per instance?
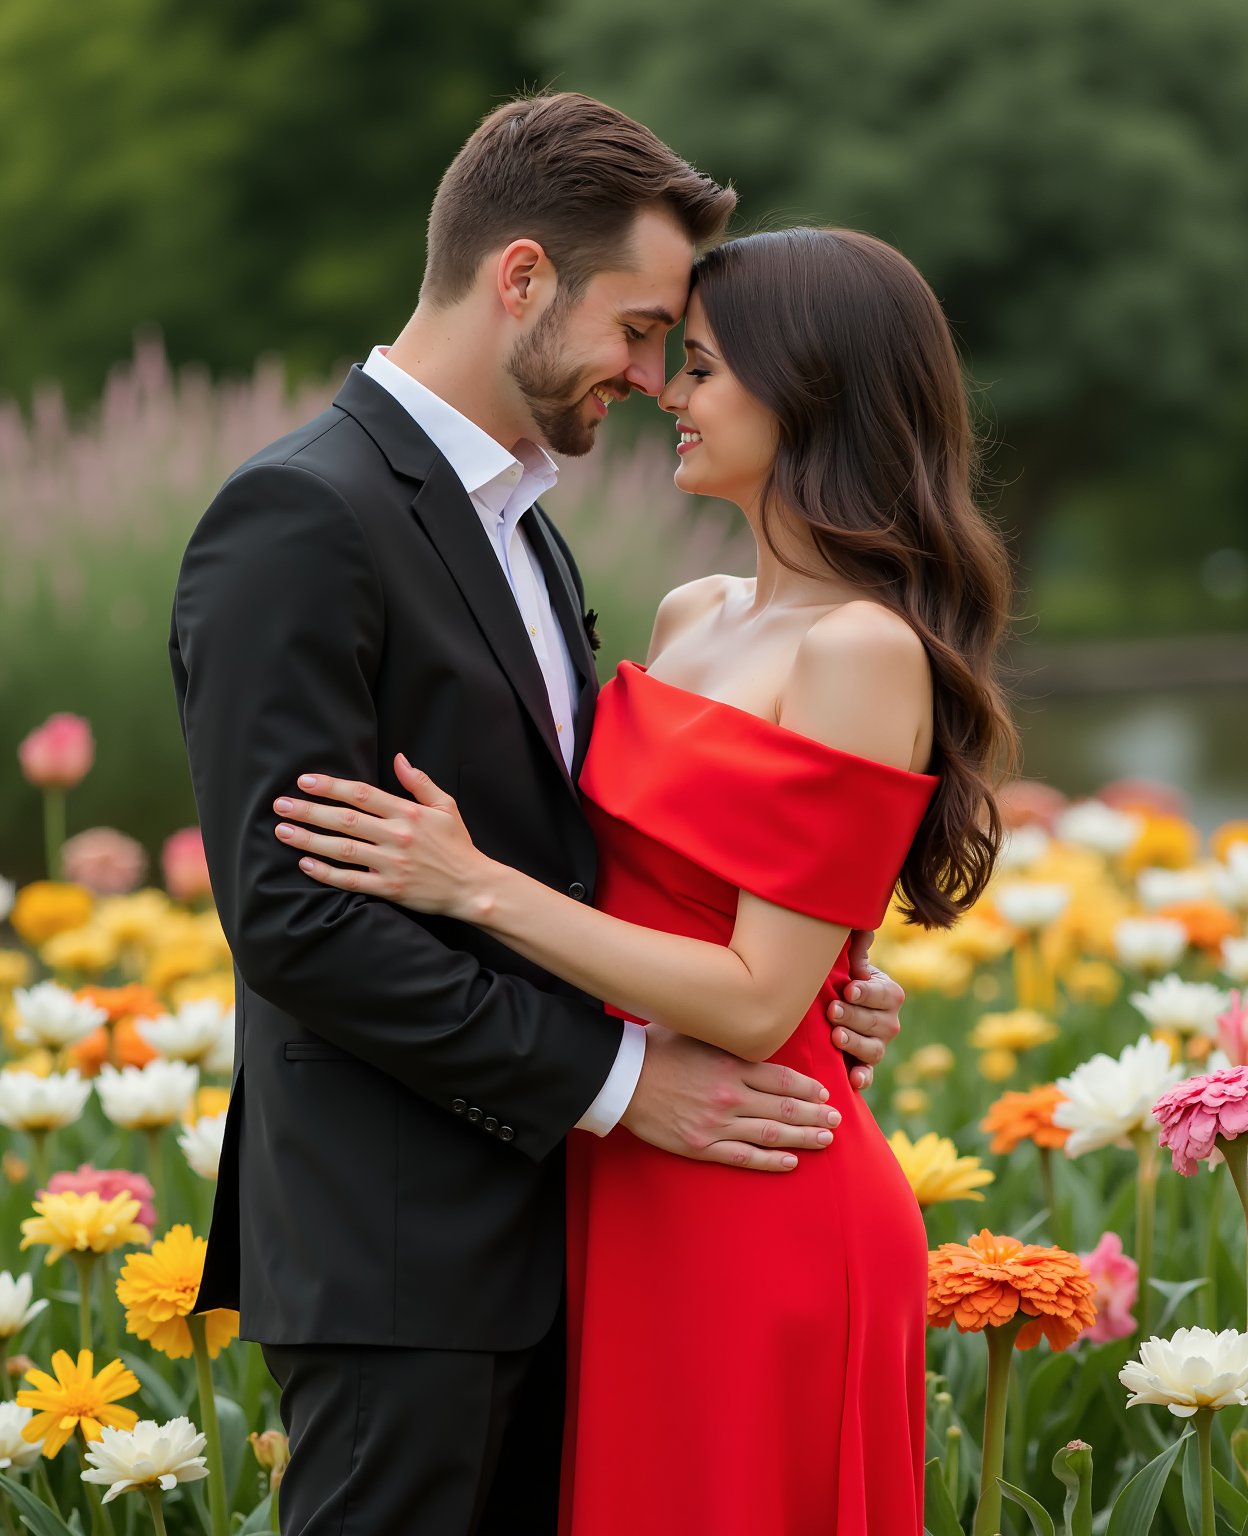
(747, 996)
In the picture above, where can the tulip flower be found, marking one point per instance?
(185, 867)
(1117, 1279)
(54, 758)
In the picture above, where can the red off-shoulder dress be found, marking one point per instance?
(746, 1351)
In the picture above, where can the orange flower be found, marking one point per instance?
(132, 1001)
(123, 1046)
(1025, 1116)
(988, 1281)
(1207, 923)
(1229, 832)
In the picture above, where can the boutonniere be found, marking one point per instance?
(590, 621)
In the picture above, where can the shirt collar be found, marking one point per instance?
(485, 468)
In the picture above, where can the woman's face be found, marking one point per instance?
(727, 438)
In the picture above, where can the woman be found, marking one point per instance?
(748, 1356)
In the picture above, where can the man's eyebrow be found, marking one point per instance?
(698, 346)
(657, 312)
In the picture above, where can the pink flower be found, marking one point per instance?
(186, 869)
(104, 860)
(1117, 1278)
(108, 1183)
(1233, 1029)
(58, 753)
(1194, 1113)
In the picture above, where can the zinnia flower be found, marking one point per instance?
(52, 1016)
(45, 908)
(1092, 981)
(104, 860)
(935, 1171)
(201, 1033)
(184, 865)
(146, 1097)
(150, 1453)
(158, 1290)
(1031, 905)
(1227, 837)
(1233, 1030)
(57, 754)
(1149, 943)
(16, 968)
(88, 950)
(1158, 888)
(1018, 1030)
(1109, 1099)
(108, 1183)
(1022, 847)
(1235, 958)
(16, 1307)
(1182, 1007)
(1194, 1368)
(201, 1143)
(32, 1103)
(132, 920)
(1195, 1112)
(16, 1452)
(1095, 825)
(77, 1399)
(1117, 1279)
(1025, 1116)
(1164, 842)
(1231, 879)
(70, 1223)
(929, 965)
(987, 1281)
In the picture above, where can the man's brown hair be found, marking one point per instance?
(571, 173)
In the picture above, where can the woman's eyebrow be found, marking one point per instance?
(697, 346)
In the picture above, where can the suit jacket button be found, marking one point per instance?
(489, 1124)
(577, 891)
(474, 1115)
(505, 1133)
(459, 1105)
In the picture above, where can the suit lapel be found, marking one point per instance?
(567, 609)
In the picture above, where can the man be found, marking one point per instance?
(389, 1208)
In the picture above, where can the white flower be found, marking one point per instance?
(1194, 1368)
(1230, 880)
(1031, 904)
(51, 1016)
(202, 1144)
(16, 1307)
(1166, 887)
(15, 1452)
(1021, 847)
(30, 1103)
(1108, 1098)
(1187, 1007)
(1093, 824)
(144, 1097)
(1149, 943)
(1235, 958)
(201, 1032)
(167, 1454)
(8, 895)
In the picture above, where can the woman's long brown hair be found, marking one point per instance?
(839, 336)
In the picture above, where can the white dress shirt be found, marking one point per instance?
(502, 487)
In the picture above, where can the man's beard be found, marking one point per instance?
(553, 391)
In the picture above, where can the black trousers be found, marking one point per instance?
(420, 1442)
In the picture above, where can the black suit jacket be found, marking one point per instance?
(392, 1170)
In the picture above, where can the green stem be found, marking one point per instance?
(85, 1264)
(1235, 1151)
(101, 1523)
(1058, 1224)
(6, 1386)
(154, 1135)
(1213, 1248)
(953, 1456)
(53, 830)
(276, 1488)
(153, 1503)
(1145, 1216)
(211, 1428)
(1204, 1439)
(45, 1488)
(1000, 1356)
(10, 1529)
(39, 1157)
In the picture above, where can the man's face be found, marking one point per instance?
(578, 358)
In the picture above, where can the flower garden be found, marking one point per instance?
(1068, 1098)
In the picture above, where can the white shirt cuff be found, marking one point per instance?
(616, 1094)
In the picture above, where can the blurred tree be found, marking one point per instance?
(246, 178)
(1069, 174)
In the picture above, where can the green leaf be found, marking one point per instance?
(36, 1515)
(939, 1516)
(157, 1388)
(1191, 1483)
(1229, 1498)
(1175, 1292)
(260, 1521)
(233, 1441)
(1135, 1507)
(1041, 1519)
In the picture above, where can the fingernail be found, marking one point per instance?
(307, 781)
(834, 1117)
(403, 760)
(837, 1011)
(283, 805)
(308, 864)
(853, 994)
(842, 1039)
(284, 831)
(823, 1095)
(788, 1162)
(824, 1138)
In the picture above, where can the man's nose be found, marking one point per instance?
(646, 373)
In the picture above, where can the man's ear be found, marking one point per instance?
(523, 272)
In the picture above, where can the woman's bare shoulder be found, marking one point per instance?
(685, 605)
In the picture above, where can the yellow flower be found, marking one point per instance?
(911, 1101)
(76, 1399)
(14, 1168)
(71, 1223)
(208, 927)
(986, 988)
(996, 1066)
(928, 965)
(1018, 1030)
(217, 986)
(208, 1101)
(132, 919)
(935, 1170)
(1224, 836)
(173, 963)
(980, 938)
(16, 969)
(1165, 842)
(1092, 981)
(90, 949)
(45, 908)
(928, 1061)
(39, 1063)
(158, 1290)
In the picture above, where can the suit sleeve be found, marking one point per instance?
(279, 624)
